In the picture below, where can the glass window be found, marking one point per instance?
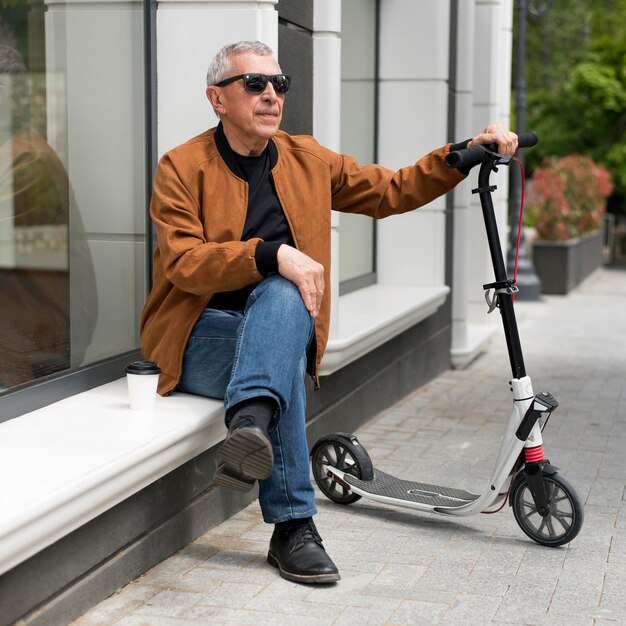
(72, 182)
(358, 133)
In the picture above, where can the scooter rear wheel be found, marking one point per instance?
(564, 520)
(344, 452)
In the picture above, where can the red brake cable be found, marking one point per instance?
(521, 221)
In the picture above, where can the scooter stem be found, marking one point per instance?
(504, 298)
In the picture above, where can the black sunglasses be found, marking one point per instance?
(256, 83)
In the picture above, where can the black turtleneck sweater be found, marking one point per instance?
(265, 219)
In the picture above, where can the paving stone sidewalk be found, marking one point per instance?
(402, 567)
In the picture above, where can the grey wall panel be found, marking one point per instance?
(298, 12)
(295, 55)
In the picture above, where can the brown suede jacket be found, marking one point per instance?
(199, 209)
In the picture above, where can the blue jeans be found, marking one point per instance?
(261, 352)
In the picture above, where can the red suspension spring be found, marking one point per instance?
(534, 455)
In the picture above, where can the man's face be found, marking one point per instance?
(249, 119)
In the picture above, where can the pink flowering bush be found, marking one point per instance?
(567, 197)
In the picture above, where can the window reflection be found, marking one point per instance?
(73, 252)
(35, 206)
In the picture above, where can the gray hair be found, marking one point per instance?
(221, 64)
(11, 61)
(13, 72)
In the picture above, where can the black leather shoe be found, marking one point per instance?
(246, 455)
(299, 555)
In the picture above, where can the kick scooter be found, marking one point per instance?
(544, 504)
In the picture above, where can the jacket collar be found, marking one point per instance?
(227, 153)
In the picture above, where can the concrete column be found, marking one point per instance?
(462, 348)
(492, 80)
(327, 111)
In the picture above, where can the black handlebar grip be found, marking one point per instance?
(474, 155)
(527, 140)
(466, 157)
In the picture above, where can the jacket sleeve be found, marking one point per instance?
(189, 260)
(378, 192)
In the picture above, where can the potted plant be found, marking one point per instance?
(567, 201)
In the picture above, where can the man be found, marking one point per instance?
(238, 309)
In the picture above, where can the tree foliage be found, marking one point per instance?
(576, 83)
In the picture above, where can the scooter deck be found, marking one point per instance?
(391, 487)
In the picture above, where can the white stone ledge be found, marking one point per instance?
(372, 316)
(63, 465)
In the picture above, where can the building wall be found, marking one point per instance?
(444, 68)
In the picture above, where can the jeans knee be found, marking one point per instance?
(285, 293)
(279, 300)
(280, 286)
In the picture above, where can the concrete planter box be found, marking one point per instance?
(562, 265)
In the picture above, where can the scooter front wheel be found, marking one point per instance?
(343, 452)
(564, 519)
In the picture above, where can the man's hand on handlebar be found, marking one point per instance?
(497, 134)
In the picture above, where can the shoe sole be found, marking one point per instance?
(301, 578)
(247, 453)
(224, 478)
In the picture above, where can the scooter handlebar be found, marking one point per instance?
(527, 140)
(474, 155)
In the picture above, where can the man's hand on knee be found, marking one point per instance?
(305, 273)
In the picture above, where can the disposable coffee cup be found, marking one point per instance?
(142, 378)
